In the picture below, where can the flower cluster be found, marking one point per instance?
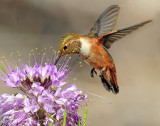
(45, 99)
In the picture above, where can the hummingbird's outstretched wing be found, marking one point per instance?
(108, 39)
(105, 22)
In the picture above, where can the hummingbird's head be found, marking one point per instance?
(69, 44)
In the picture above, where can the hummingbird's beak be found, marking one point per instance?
(59, 56)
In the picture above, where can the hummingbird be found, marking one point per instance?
(93, 48)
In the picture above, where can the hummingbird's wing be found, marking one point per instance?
(105, 22)
(108, 39)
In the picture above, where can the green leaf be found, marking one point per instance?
(85, 116)
(64, 118)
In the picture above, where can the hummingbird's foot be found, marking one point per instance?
(92, 72)
(100, 74)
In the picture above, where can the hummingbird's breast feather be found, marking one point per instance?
(94, 54)
(85, 46)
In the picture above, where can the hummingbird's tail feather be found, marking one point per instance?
(109, 80)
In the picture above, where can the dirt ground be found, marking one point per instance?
(25, 25)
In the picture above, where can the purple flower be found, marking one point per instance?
(12, 79)
(45, 99)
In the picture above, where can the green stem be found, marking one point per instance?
(65, 115)
(49, 115)
(3, 69)
(79, 122)
(85, 116)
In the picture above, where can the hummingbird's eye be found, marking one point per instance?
(65, 47)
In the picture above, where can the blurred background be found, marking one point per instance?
(30, 24)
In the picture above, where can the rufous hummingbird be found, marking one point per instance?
(93, 48)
